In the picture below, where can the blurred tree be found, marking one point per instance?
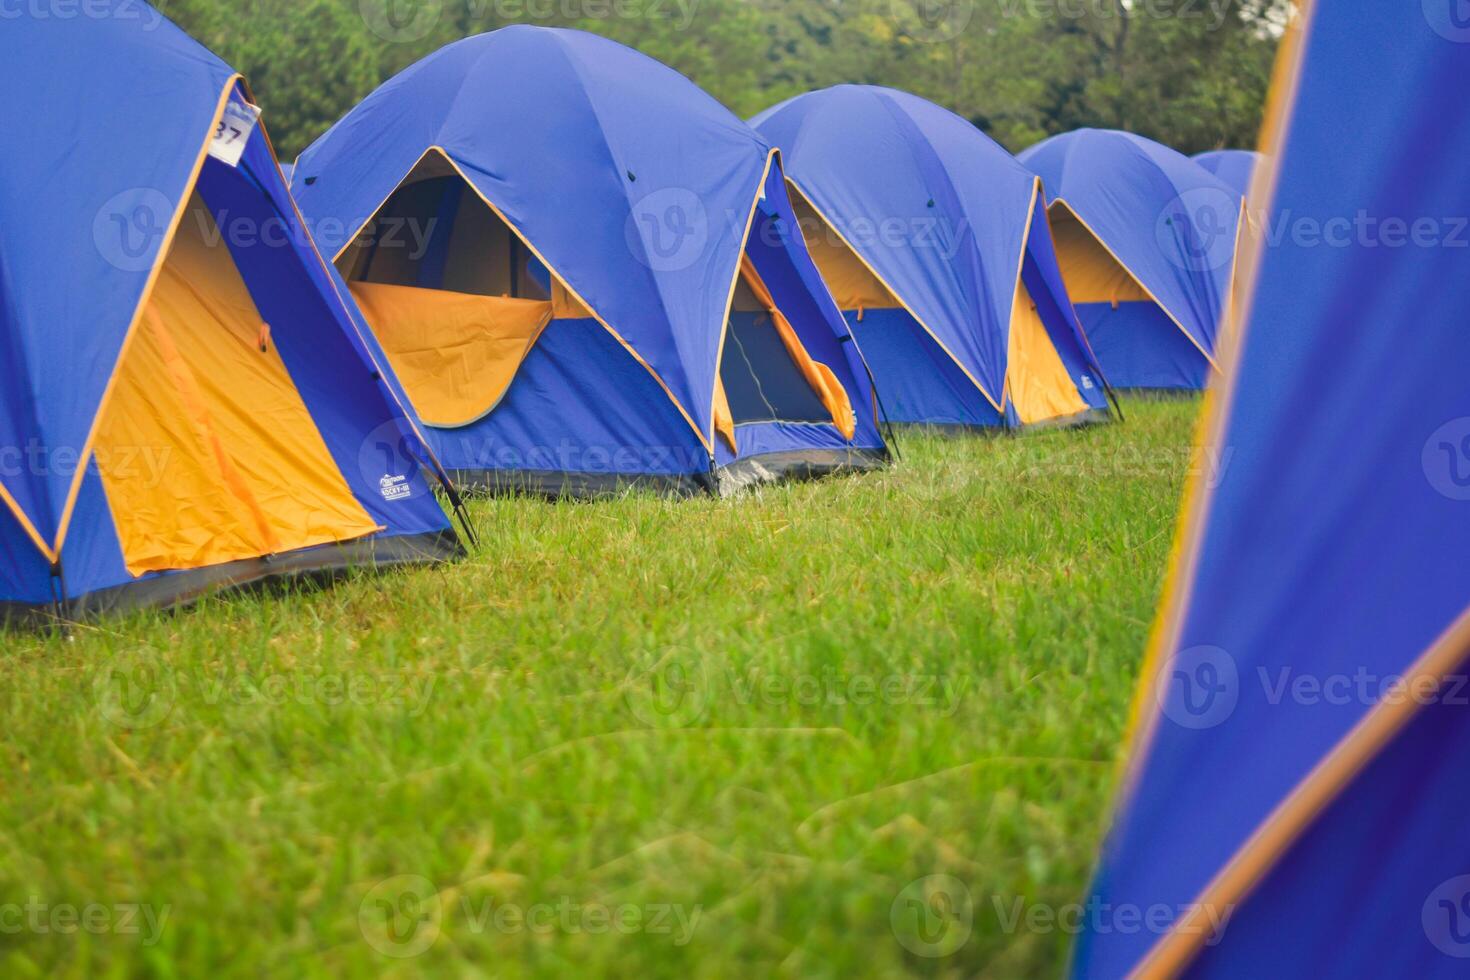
(1191, 73)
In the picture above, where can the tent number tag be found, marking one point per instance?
(232, 132)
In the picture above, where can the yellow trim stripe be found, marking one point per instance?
(889, 286)
(26, 525)
(734, 284)
(1149, 292)
(550, 268)
(1322, 786)
(69, 509)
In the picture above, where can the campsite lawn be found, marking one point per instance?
(637, 738)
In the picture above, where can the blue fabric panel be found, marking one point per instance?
(431, 272)
(580, 403)
(1336, 538)
(623, 173)
(1170, 221)
(24, 574)
(1234, 167)
(93, 556)
(764, 438)
(917, 381)
(95, 158)
(1138, 346)
(540, 275)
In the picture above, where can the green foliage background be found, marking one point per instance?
(1191, 73)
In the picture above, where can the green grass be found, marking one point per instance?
(769, 714)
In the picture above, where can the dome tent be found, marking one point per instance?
(1296, 789)
(962, 315)
(1147, 242)
(181, 408)
(603, 294)
(1234, 167)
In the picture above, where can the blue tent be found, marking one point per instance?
(1147, 240)
(184, 401)
(586, 273)
(1234, 167)
(1298, 773)
(935, 242)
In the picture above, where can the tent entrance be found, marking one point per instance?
(206, 451)
(453, 295)
(853, 284)
(766, 373)
(1037, 382)
(762, 381)
(1091, 272)
(1138, 343)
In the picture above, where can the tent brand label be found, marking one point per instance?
(395, 488)
(233, 131)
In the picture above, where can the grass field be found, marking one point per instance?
(632, 738)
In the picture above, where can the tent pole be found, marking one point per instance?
(888, 432)
(1113, 397)
(58, 597)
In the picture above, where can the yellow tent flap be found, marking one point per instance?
(1037, 381)
(456, 354)
(1091, 272)
(565, 306)
(206, 451)
(823, 381)
(724, 418)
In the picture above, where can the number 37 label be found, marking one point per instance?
(232, 132)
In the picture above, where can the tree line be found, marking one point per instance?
(1190, 73)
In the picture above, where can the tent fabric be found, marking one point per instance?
(1234, 167)
(1299, 763)
(1170, 224)
(852, 283)
(821, 378)
(920, 380)
(1128, 331)
(635, 191)
(942, 219)
(98, 163)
